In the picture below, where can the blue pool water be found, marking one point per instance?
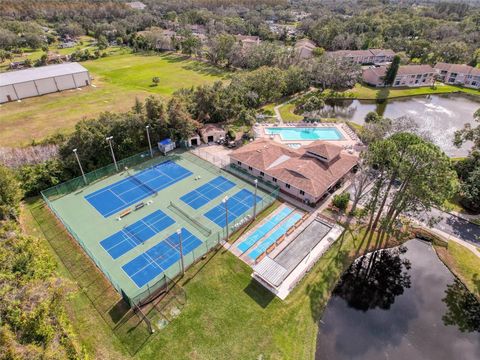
(282, 229)
(299, 133)
(264, 229)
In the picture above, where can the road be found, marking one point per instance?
(448, 223)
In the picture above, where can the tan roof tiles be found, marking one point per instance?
(296, 166)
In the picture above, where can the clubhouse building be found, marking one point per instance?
(307, 173)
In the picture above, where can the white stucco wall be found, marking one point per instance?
(43, 86)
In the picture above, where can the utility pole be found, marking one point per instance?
(80, 166)
(255, 200)
(179, 233)
(149, 143)
(225, 202)
(109, 139)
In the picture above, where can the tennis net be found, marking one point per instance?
(131, 235)
(141, 183)
(204, 230)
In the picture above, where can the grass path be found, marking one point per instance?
(118, 79)
(363, 92)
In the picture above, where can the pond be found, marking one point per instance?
(440, 115)
(405, 305)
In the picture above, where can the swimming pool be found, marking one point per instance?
(303, 133)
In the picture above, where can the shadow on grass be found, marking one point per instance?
(259, 294)
(118, 311)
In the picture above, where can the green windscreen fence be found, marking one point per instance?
(185, 215)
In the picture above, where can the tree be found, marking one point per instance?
(413, 175)
(392, 71)
(34, 323)
(10, 194)
(181, 123)
(470, 190)
(327, 72)
(341, 201)
(190, 45)
(155, 81)
(372, 117)
(220, 48)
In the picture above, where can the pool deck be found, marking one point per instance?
(350, 139)
(284, 266)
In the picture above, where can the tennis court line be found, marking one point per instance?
(136, 227)
(172, 247)
(170, 253)
(208, 187)
(129, 181)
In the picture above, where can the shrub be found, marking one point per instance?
(341, 201)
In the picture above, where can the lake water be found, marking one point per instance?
(410, 306)
(441, 115)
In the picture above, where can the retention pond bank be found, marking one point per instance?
(402, 303)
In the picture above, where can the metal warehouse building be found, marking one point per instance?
(22, 84)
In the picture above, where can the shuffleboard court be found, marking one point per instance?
(207, 192)
(281, 230)
(120, 195)
(238, 204)
(137, 233)
(159, 258)
(264, 229)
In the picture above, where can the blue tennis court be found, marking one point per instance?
(126, 192)
(238, 204)
(135, 234)
(159, 258)
(207, 192)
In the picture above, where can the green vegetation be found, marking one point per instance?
(222, 301)
(364, 92)
(340, 201)
(118, 80)
(287, 114)
(463, 263)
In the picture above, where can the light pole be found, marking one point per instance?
(80, 166)
(179, 233)
(255, 200)
(149, 143)
(225, 202)
(109, 139)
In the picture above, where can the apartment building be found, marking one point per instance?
(407, 76)
(458, 74)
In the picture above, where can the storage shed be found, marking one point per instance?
(212, 133)
(16, 85)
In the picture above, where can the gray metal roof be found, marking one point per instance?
(270, 271)
(42, 72)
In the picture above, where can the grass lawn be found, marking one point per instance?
(118, 79)
(364, 92)
(226, 316)
(463, 263)
(287, 114)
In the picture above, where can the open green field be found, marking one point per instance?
(117, 80)
(364, 92)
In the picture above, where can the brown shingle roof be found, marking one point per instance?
(296, 167)
(324, 149)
